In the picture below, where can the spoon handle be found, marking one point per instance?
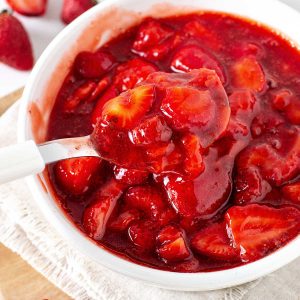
(20, 160)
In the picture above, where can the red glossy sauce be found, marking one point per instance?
(217, 200)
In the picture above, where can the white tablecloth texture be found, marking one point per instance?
(24, 230)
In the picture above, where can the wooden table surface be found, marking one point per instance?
(18, 280)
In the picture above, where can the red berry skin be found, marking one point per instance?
(146, 199)
(74, 8)
(142, 235)
(93, 65)
(124, 219)
(97, 214)
(256, 230)
(15, 46)
(172, 245)
(28, 8)
(75, 174)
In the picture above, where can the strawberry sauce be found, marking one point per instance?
(197, 119)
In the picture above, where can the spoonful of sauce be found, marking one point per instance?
(152, 127)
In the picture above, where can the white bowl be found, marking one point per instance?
(109, 18)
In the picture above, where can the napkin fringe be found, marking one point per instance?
(15, 238)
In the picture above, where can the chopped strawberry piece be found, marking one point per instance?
(172, 246)
(193, 163)
(108, 141)
(199, 31)
(100, 88)
(292, 111)
(214, 242)
(93, 65)
(74, 8)
(147, 199)
(248, 73)
(29, 7)
(110, 93)
(132, 72)
(80, 94)
(167, 216)
(15, 46)
(122, 222)
(142, 234)
(75, 174)
(181, 195)
(242, 101)
(250, 186)
(204, 195)
(256, 230)
(187, 106)
(151, 39)
(162, 157)
(193, 57)
(151, 130)
(128, 108)
(266, 123)
(195, 102)
(281, 99)
(291, 192)
(289, 104)
(130, 177)
(276, 164)
(97, 214)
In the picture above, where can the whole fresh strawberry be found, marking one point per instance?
(28, 7)
(15, 46)
(74, 8)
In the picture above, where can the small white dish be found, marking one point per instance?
(109, 17)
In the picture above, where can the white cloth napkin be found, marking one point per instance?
(24, 230)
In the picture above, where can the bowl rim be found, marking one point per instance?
(201, 281)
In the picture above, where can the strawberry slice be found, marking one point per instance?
(256, 230)
(193, 57)
(277, 164)
(194, 29)
(127, 109)
(151, 39)
(93, 65)
(291, 192)
(151, 130)
(292, 112)
(147, 199)
(28, 7)
(97, 214)
(132, 72)
(75, 174)
(195, 102)
(250, 186)
(172, 245)
(109, 94)
(242, 101)
(193, 163)
(205, 195)
(129, 176)
(248, 73)
(15, 46)
(81, 94)
(142, 235)
(281, 99)
(162, 157)
(123, 221)
(74, 8)
(214, 242)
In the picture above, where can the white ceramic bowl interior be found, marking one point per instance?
(104, 21)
